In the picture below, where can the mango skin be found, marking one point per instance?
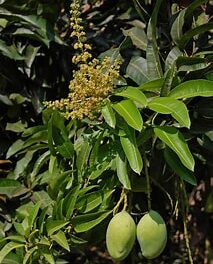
(152, 234)
(120, 235)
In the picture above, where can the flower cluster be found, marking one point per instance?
(94, 80)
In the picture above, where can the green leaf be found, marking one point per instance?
(28, 254)
(60, 238)
(66, 149)
(152, 86)
(10, 51)
(16, 127)
(54, 225)
(22, 164)
(69, 203)
(129, 145)
(108, 114)
(83, 155)
(177, 26)
(175, 164)
(167, 105)
(173, 138)
(84, 223)
(172, 57)
(138, 37)
(154, 69)
(8, 248)
(33, 212)
(47, 255)
(122, 173)
(14, 148)
(92, 200)
(135, 94)
(137, 70)
(128, 110)
(11, 188)
(192, 88)
(194, 32)
(39, 163)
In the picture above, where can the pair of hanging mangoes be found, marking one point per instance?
(122, 231)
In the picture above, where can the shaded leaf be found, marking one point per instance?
(176, 165)
(137, 70)
(128, 143)
(177, 109)
(108, 114)
(173, 138)
(84, 223)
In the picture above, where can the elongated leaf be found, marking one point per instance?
(47, 255)
(16, 127)
(137, 70)
(61, 239)
(39, 163)
(66, 149)
(135, 94)
(8, 248)
(154, 69)
(138, 37)
(122, 173)
(69, 203)
(177, 109)
(54, 225)
(14, 148)
(130, 113)
(132, 153)
(84, 223)
(92, 200)
(193, 32)
(10, 51)
(176, 165)
(152, 86)
(29, 254)
(109, 114)
(192, 88)
(177, 26)
(173, 138)
(172, 57)
(12, 188)
(33, 212)
(83, 155)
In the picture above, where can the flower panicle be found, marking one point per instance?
(92, 83)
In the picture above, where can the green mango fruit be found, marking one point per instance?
(120, 235)
(152, 234)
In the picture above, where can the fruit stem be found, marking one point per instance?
(147, 181)
(123, 199)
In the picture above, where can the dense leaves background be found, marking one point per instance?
(47, 199)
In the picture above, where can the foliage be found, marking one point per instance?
(153, 138)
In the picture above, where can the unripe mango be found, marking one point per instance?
(120, 235)
(152, 234)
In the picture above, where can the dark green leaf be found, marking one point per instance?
(84, 223)
(176, 165)
(173, 138)
(137, 70)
